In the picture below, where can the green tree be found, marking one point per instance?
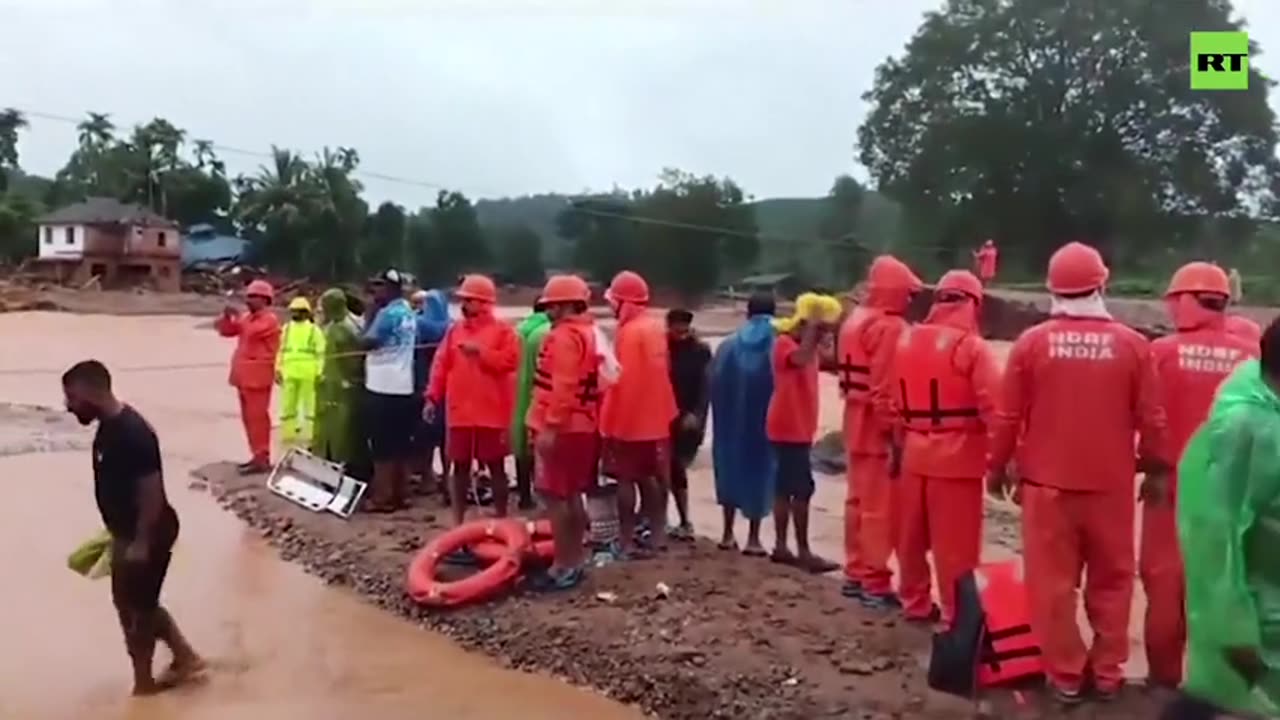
(11, 121)
(691, 228)
(844, 251)
(460, 243)
(386, 239)
(274, 207)
(519, 251)
(601, 237)
(1035, 122)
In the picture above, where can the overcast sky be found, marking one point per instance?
(493, 97)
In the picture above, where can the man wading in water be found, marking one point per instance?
(129, 487)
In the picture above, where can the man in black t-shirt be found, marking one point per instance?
(129, 487)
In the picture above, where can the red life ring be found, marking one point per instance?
(543, 547)
(425, 589)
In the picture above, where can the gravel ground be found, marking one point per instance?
(736, 638)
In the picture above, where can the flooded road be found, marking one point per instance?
(281, 645)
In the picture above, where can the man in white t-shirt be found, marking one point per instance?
(390, 414)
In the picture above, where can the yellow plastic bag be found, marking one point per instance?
(811, 306)
(92, 558)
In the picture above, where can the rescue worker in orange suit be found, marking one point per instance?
(257, 334)
(864, 354)
(563, 419)
(948, 380)
(1077, 389)
(474, 371)
(1244, 328)
(1190, 364)
(636, 413)
(984, 260)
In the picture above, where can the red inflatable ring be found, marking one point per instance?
(423, 587)
(543, 548)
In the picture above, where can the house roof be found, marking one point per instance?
(102, 210)
(209, 247)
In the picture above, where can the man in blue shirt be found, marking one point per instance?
(389, 337)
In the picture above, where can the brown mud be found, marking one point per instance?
(736, 637)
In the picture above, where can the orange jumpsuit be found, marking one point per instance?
(566, 401)
(1077, 390)
(948, 380)
(1243, 327)
(479, 391)
(639, 407)
(1190, 365)
(864, 352)
(253, 365)
(986, 258)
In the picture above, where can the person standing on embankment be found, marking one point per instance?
(985, 260)
(1077, 389)
(636, 414)
(257, 334)
(949, 381)
(341, 382)
(128, 483)
(474, 371)
(298, 367)
(1190, 365)
(532, 332)
(742, 458)
(689, 360)
(1228, 523)
(864, 354)
(791, 424)
(389, 417)
(432, 310)
(564, 420)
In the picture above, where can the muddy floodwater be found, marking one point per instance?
(281, 644)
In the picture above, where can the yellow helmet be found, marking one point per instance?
(299, 303)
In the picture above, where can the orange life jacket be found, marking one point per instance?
(935, 396)
(1010, 650)
(853, 364)
(584, 401)
(991, 641)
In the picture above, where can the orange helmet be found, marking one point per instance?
(1243, 327)
(629, 287)
(477, 287)
(1076, 268)
(565, 288)
(1199, 277)
(961, 281)
(889, 273)
(260, 288)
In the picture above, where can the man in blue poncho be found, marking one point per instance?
(1229, 528)
(432, 317)
(741, 385)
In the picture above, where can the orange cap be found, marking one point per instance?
(260, 288)
(1076, 268)
(1199, 277)
(961, 281)
(565, 288)
(889, 273)
(629, 287)
(477, 287)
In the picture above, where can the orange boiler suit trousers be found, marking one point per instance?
(255, 414)
(1065, 533)
(1160, 566)
(942, 516)
(870, 523)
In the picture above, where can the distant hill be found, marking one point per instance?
(789, 227)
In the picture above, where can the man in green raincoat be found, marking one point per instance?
(531, 331)
(1229, 529)
(341, 380)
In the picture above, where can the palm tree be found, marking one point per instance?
(207, 158)
(96, 131)
(278, 204)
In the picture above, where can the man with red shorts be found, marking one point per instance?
(636, 415)
(563, 420)
(474, 372)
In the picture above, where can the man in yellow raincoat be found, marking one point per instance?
(297, 370)
(1229, 529)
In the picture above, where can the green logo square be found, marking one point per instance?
(1219, 61)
